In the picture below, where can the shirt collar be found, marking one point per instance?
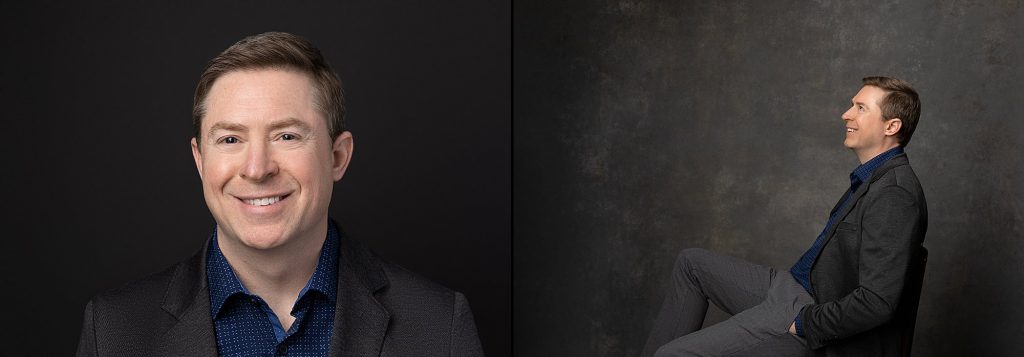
(863, 172)
(223, 283)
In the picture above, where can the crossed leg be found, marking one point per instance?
(762, 303)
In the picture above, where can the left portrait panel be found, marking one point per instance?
(105, 187)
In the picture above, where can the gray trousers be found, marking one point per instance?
(763, 303)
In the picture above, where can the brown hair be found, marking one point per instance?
(276, 50)
(900, 101)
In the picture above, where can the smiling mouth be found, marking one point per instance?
(264, 201)
(850, 130)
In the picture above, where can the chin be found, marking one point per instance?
(263, 239)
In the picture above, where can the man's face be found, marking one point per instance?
(266, 159)
(866, 132)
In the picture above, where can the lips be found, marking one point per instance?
(850, 130)
(263, 201)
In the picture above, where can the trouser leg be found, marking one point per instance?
(759, 331)
(700, 276)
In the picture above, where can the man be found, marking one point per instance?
(277, 277)
(843, 296)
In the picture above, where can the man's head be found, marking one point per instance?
(276, 50)
(269, 140)
(883, 115)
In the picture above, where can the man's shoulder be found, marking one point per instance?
(148, 290)
(405, 280)
(143, 301)
(130, 317)
(425, 313)
(407, 287)
(901, 175)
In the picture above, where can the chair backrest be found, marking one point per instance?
(910, 299)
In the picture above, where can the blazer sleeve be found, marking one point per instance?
(465, 342)
(87, 339)
(888, 227)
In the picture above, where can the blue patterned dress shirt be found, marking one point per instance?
(245, 324)
(802, 269)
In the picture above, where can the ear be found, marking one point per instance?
(341, 154)
(198, 157)
(893, 126)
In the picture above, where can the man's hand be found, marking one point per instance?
(792, 328)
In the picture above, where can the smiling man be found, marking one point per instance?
(277, 276)
(851, 292)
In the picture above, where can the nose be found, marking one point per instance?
(848, 115)
(259, 162)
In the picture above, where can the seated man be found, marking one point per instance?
(841, 296)
(277, 276)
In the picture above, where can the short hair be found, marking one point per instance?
(276, 50)
(900, 101)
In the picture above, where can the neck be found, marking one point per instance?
(867, 155)
(278, 273)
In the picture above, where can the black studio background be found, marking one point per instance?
(100, 187)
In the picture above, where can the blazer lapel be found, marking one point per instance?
(360, 321)
(898, 160)
(187, 299)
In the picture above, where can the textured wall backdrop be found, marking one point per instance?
(645, 127)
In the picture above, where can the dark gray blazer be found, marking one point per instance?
(867, 264)
(382, 310)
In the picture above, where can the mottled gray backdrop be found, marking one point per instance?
(645, 127)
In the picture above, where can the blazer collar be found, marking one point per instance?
(187, 300)
(898, 160)
(360, 320)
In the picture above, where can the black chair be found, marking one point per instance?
(907, 310)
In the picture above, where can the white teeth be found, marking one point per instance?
(848, 130)
(263, 201)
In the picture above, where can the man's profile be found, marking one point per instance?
(277, 276)
(844, 295)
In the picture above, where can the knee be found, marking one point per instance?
(690, 257)
(686, 261)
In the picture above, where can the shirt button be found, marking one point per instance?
(282, 350)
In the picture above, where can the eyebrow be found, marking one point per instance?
(226, 127)
(289, 122)
(276, 125)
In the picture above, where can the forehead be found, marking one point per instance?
(260, 95)
(870, 95)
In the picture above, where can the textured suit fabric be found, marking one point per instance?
(861, 275)
(382, 310)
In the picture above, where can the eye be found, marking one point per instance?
(289, 137)
(228, 140)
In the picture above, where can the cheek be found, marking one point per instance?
(311, 171)
(216, 171)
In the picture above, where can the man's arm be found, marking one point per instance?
(887, 234)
